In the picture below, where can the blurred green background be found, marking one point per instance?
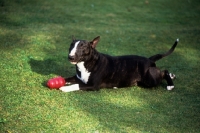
(34, 39)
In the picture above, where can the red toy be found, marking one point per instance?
(56, 82)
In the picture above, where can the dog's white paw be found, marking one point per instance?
(172, 76)
(70, 88)
(169, 88)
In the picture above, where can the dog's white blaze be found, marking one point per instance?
(74, 87)
(73, 51)
(84, 72)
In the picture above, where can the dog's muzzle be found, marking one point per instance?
(72, 59)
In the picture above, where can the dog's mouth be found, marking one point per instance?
(72, 62)
(72, 59)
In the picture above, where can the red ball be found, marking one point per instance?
(56, 82)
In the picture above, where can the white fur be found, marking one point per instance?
(177, 39)
(73, 51)
(169, 88)
(84, 72)
(74, 87)
(172, 76)
(74, 63)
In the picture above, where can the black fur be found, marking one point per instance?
(116, 71)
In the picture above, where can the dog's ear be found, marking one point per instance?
(95, 41)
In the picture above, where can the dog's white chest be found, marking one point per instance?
(84, 72)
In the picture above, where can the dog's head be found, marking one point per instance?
(80, 50)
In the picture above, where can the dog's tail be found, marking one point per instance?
(156, 57)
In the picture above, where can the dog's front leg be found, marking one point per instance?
(71, 80)
(73, 87)
(75, 84)
(72, 83)
(76, 87)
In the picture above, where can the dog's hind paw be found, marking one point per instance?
(172, 76)
(169, 88)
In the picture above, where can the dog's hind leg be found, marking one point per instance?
(168, 77)
(154, 76)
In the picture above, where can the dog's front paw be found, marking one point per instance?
(64, 88)
(69, 88)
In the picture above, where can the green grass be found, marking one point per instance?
(34, 41)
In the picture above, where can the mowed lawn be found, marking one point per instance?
(34, 39)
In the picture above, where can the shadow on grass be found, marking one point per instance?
(50, 66)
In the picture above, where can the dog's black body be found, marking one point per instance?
(96, 70)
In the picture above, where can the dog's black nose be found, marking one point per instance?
(71, 57)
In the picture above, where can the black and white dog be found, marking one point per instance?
(95, 70)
